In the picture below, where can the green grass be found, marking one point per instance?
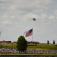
(10, 45)
(38, 46)
(43, 46)
(30, 54)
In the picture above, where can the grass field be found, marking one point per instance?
(30, 54)
(43, 46)
(38, 46)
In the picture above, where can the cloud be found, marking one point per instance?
(22, 7)
(14, 10)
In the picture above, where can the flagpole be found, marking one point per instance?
(34, 19)
(31, 31)
(32, 35)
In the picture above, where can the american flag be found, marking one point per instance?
(29, 33)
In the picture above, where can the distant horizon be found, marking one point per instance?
(31, 41)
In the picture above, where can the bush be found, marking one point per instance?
(21, 44)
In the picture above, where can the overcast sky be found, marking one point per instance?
(16, 18)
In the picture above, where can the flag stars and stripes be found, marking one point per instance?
(29, 33)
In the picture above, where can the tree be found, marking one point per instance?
(21, 44)
(53, 41)
(47, 41)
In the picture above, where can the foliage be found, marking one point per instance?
(21, 44)
(47, 41)
(53, 41)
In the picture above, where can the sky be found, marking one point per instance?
(16, 17)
